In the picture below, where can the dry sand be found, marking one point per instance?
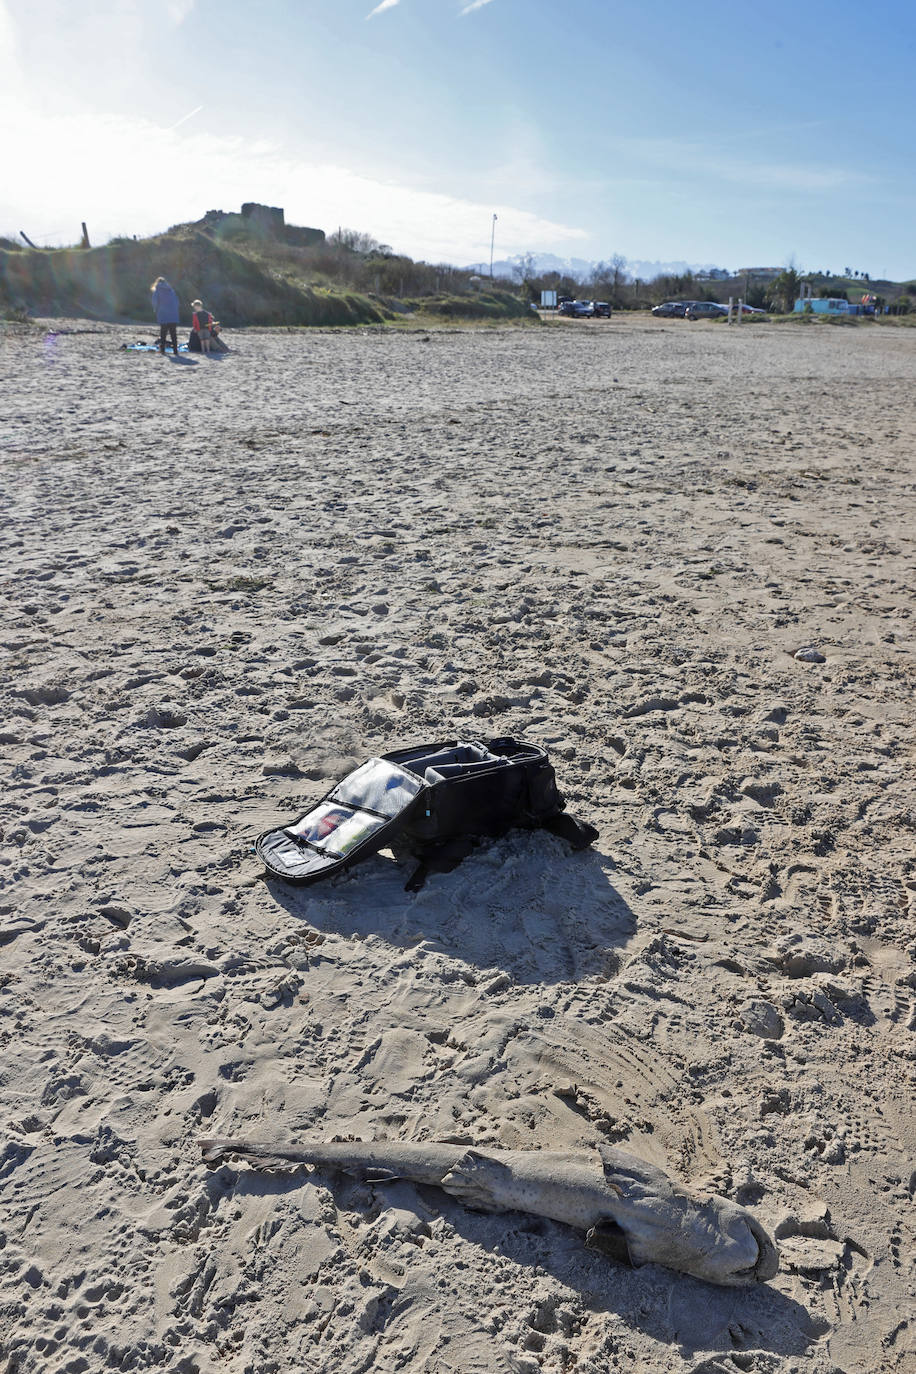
(225, 583)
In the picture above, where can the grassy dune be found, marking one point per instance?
(113, 283)
(245, 280)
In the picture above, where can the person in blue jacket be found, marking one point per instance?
(165, 304)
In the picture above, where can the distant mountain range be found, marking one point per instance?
(582, 268)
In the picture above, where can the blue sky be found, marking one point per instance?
(737, 134)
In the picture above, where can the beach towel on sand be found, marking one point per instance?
(149, 348)
(434, 801)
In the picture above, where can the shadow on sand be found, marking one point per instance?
(687, 1314)
(524, 904)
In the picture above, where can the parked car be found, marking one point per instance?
(670, 309)
(565, 306)
(583, 309)
(706, 310)
(602, 310)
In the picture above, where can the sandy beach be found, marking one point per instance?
(225, 583)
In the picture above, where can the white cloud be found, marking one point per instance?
(129, 176)
(10, 70)
(688, 159)
(385, 5)
(178, 10)
(475, 5)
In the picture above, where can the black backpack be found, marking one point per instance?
(435, 801)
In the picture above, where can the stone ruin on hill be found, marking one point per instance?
(271, 216)
(271, 219)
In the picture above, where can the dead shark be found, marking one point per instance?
(629, 1209)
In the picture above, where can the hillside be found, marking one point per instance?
(113, 283)
(249, 270)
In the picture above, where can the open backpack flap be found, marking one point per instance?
(433, 800)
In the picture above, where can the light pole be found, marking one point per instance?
(492, 237)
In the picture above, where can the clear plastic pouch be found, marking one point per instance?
(379, 785)
(335, 829)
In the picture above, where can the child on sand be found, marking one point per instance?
(202, 322)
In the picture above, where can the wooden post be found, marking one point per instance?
(27, 239)
(85, 239)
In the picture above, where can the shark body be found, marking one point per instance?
(628, 1208)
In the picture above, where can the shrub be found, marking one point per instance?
(113, 283)
(248, 273)
(494, 305)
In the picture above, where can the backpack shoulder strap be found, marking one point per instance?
(578, 834)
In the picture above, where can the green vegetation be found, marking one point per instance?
(783, 292)
(254, 269)
(768, 289)
(483, 305)
(113, 283)
(250, 271)
(806, 316)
